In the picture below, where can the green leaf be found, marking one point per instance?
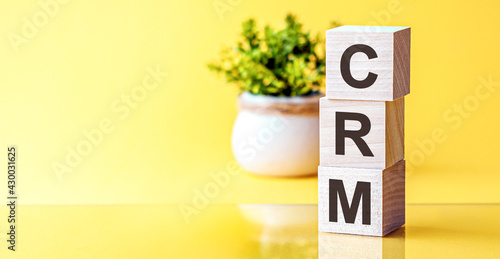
(286, 62)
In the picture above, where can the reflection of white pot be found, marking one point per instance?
(284, 231)
(277, 136)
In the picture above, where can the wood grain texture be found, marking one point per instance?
(333, 245)
(387, 199)
(385, 139)
(394, 131)
(401, 72)
(392, 64)
(393, 197)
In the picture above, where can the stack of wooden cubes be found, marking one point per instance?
(361, 177)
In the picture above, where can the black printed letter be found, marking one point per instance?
(345, 66)
(341, 133)
(337, 192)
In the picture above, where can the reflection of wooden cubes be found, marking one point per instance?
(351, 246)
(385, 138)
(374, 57)
(361, 201)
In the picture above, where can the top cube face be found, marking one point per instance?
(367, 63)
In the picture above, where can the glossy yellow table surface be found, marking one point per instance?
(244, 231)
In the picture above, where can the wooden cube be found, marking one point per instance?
(361, 201)
(361, 134)
(368, 63)
(352, 246)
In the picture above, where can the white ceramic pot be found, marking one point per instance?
(277, 136)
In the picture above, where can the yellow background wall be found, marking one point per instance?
(65, 75)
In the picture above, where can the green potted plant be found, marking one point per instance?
(280, 74)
